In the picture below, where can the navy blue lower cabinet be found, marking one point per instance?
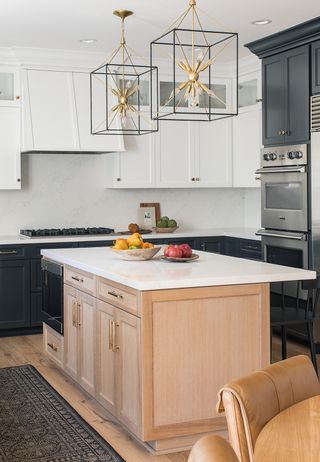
(36, 318)
(210, 244)
(14, 294)
(243, 248)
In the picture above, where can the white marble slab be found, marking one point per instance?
(209, 270)
(244, 233)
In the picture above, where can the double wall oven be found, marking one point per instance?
(284, 205)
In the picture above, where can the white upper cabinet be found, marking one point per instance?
(175, 155)
(247, 138)
(213, 154)
(9, 86)
(10, 166)
(135, 168)
(247, 132)
(56, 113)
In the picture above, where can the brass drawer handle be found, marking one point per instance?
(110, 334)
(114, 294)
(52, 346)
(78, 314)
(115, 347)
(8, 252)
(74, 321)
(75, 278)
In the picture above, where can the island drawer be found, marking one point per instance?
(118, 295)
(53, 344)
(79, 279)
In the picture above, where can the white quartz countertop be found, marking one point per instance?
(244, 233)
(209, 270)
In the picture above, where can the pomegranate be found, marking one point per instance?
(186, 250)
(173, 251)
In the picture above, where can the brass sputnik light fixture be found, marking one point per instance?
(120, 92)
(190, 63)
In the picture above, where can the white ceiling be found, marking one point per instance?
(62, 23)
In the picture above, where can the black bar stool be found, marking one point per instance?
(284, 316)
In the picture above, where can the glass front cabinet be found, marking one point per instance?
(9, 86)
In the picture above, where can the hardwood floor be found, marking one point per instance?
(28, 350)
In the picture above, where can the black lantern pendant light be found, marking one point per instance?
(193, 85)
(120, 92)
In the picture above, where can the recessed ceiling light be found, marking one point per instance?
(89, 40)
(261, 22)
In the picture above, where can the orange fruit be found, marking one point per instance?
(147, 245)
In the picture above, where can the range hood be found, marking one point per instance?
(56, 115)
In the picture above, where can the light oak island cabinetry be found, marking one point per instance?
(156, 359)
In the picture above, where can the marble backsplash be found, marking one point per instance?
(68, 190)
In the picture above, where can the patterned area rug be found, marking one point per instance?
(38, 425)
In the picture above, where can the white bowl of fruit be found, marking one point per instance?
(134, 248)
(182, 253)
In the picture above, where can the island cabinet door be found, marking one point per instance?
(106, 356)
(128, 371)
(71, 331)
(118, 364)
(86, 315)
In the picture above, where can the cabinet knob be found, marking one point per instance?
(197, 179)
(118, 179)
(280, 132)
(19, 180)
(17, 97)
(259, 100)
(193, 179)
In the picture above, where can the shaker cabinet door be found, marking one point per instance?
(105, 357)
(10, 150)
(273, 96)
(315, 53)
(14, 294)
(87, 335)
(129, 370)
(71, 341)
(297, 89)
(175, 155)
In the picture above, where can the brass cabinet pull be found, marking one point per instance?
(74, 322)
(75, 278)
(110, 334)
(52, 346)
(114, 294)
(78, 314)
(8, 252)
(115, 347)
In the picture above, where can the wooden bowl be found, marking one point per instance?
(166, 230)
(137, 254)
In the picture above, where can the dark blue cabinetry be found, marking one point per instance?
(315, 67)
(286, 91)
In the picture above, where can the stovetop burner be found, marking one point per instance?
(54, 232)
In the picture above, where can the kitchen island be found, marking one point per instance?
(154, 341)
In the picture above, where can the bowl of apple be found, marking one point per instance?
(182, 253)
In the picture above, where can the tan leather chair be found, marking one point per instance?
(251, 402)
(212, 449)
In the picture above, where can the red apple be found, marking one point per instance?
(186, 250)
(173, 251)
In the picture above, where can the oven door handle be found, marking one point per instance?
(261, 171)
(296, 237)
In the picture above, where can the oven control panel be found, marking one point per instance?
(283, 156)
